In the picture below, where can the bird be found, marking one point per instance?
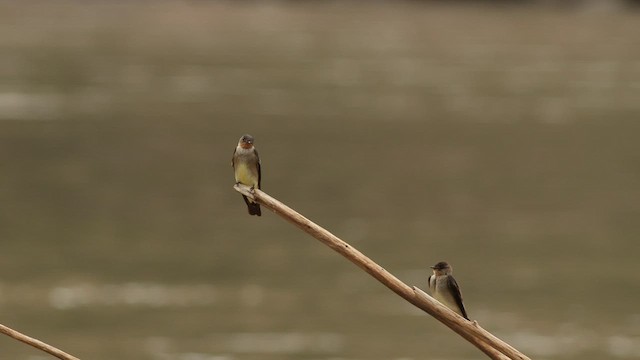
(246, 169)
(445, 289)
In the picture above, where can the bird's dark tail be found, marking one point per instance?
(253, 207)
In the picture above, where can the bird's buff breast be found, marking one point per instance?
(245, 176)
(441, 292)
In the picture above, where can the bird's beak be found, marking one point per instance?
(433, 267)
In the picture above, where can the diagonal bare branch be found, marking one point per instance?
(36, 343)
(471, 331)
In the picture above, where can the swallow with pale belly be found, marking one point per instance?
(246, 168)
(445, 289)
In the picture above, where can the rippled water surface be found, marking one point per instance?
(504, 141)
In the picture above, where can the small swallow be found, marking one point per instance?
(445, 289)
(246, 168)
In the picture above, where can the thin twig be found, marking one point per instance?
(36, 343)
(471, 331)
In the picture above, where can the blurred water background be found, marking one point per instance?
(503, 139)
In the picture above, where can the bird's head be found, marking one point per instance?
(442, 268)
(246, 141)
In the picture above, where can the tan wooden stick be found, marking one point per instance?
(36, 343)
(471, 331)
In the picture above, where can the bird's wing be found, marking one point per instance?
(457, 296)
(259, 170)
(431, 285)
(233, 159)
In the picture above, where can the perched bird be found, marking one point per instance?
(246, 168)
(444, 288)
